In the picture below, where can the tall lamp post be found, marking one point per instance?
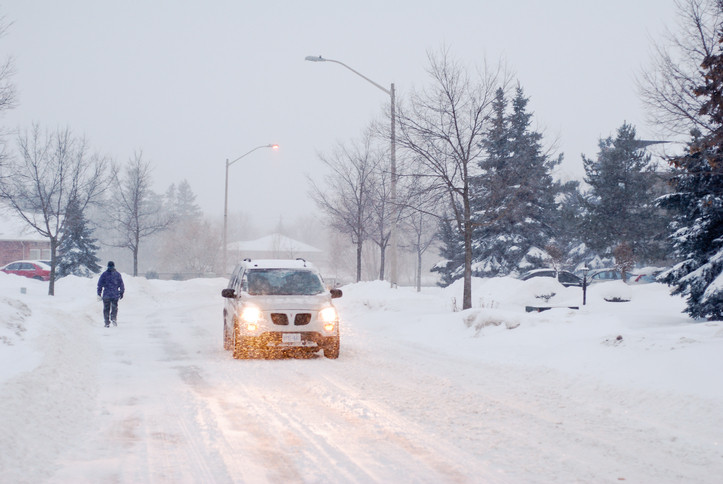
(393, 164)
(225, 200)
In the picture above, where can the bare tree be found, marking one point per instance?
(443, 127)
(421, 229)
(380, 226)
(52, 172)
(667, 85)
(346, 193)
(7, 88)
(137, 211)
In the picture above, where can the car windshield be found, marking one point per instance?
(282, 282)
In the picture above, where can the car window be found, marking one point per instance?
(282, 282)
(237, 280)
(26, 266)
(567, 277)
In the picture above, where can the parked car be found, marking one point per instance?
(613, 274)
(29, 268)
(604, 275)
(566, 278)
(279, 305)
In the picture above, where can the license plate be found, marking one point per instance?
(291, 338)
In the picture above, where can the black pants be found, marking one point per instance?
(110, 310)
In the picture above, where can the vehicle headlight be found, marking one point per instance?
(329, 317)
(251, 315)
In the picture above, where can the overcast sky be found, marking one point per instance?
(192, 83)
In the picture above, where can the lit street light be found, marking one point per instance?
(393, 165)
(225, 201)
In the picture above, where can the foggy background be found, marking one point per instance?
(194, 83)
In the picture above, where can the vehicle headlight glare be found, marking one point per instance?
(329, 327)
(252, 326)
(328, 315)
(251, 315)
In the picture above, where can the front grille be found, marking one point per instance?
(302, 318)
(279, 318)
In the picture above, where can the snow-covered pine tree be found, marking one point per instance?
(621, 201)
(568, 236)
(77, 247)
(516, 211)
(698, 197)
(451, 250)
(489, 188)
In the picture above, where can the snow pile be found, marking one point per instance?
(647, 341)
(615, 291)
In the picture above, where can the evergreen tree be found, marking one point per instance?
(490, 189)
(698, 197)
(569, 236)
(621, 201)
(452, 252)
(186, 206)
(77, 247)
(516, 212)
(181, 202)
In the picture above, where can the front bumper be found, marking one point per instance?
(275, 340)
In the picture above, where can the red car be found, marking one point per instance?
(29, 268)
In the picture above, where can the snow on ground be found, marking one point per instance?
(611, 392)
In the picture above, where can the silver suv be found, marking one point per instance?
(277, 305)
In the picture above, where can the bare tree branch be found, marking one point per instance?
(667, 85)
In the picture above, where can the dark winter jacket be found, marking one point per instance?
(110, 284)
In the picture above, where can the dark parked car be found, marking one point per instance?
(566, 278)
(29, 268)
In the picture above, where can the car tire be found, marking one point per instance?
(331, 350)
(37, 278)
(227, 344)
(240, 352)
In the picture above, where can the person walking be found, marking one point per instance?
(111, 289)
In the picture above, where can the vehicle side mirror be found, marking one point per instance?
(335, 293)
(229, 293)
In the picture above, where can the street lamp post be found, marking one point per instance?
(584, 284)
(225, 200)
(393, 164)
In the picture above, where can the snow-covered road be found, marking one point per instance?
(414, 397)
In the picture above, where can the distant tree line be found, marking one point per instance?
(478, 172)
(478, 181)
